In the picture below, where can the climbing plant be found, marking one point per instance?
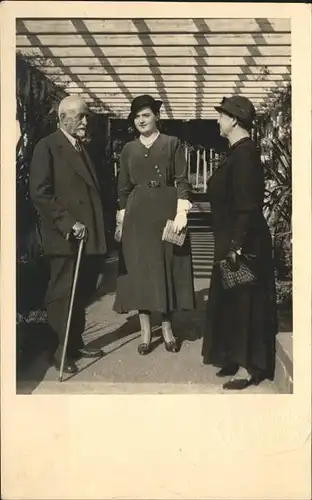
(274, 132)
(36, 100)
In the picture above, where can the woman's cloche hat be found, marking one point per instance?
(239, 107)
(144, 101)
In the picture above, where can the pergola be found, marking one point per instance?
(190, 64)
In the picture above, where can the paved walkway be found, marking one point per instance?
(122, 369)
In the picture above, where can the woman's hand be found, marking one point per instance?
(179, 222)
(232, 260)
(119, 223)
(118, 233)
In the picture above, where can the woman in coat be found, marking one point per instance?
(152, 187)
(241, 321)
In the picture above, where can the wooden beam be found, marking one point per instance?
(183, 86)
(218, 94)
(174, 99)
(189, 63)
(174, 62)
(168, 51)
(167, 70)
(143, 40)
(159, 26)
(123, 106)
(90, 76)
(136, 56)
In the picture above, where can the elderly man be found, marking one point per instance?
(65, 192)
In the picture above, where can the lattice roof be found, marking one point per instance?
(190, 64)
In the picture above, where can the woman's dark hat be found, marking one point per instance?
(239, 107)
(144, 101)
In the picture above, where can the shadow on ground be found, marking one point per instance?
(32, 370)
(112, 333)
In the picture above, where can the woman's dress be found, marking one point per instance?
(153, 275)
(241, 322)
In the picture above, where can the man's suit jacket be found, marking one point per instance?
(64, 190)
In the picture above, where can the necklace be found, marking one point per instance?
(147, 142)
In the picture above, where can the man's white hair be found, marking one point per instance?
(70, 102)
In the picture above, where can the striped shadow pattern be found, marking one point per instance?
(200, 207)
(202, 245)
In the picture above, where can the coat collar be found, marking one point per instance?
(71, 139)
(221, 163)
(87, 172)
(238, 143)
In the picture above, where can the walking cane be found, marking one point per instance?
(70, 310)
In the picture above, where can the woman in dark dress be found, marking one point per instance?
(241, 321)
(153, 187)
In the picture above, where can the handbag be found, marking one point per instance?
(243, 276)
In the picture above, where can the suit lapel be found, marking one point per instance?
(75, 160)
(91, 167)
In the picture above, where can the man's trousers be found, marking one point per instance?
(62, 269)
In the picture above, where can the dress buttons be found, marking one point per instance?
(146, 155)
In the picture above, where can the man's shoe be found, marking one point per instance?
(70, 366)
(87, 352)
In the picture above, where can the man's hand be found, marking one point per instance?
(79, 231)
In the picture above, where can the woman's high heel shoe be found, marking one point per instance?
(144, 349)
(145, 321)
(238, 384)
(172, 346)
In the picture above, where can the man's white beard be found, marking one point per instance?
(81, 133)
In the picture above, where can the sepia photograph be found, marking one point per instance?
(155, 250)
(153, 205)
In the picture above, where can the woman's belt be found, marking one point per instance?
(154, 184)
